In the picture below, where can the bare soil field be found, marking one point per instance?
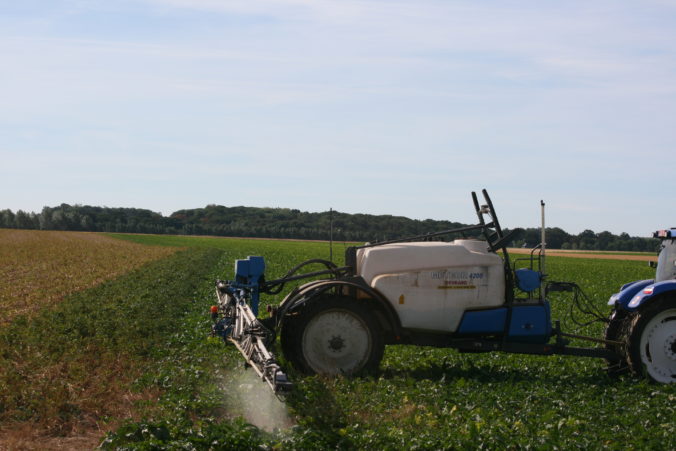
(590, 254)
(39, 268)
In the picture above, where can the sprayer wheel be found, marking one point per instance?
(652, 341)
(333, 335)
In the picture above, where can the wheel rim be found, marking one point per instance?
(658, 346)
(336, 342)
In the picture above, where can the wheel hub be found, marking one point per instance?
(658, 346)
(670, 347)
(336, 343)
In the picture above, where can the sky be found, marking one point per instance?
(364, 106)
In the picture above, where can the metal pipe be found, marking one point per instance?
(427, 235)
(596, 340)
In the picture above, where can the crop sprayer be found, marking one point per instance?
(465, 294)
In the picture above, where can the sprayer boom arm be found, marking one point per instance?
(236, 323)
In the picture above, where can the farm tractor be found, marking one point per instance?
(465, 294)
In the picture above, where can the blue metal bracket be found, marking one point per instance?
(248, 275)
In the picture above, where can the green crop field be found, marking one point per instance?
(129, 363)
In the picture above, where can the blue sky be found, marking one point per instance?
(382, 107)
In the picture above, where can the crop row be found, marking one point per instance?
(69, 370)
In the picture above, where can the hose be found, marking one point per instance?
(278, 285)
(581, 302)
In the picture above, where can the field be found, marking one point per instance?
(128, 362)
(41, 267)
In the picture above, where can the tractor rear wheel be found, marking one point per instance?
(652, 341)
(333, 335)
(616, 330)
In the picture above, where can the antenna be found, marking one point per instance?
(543, 245)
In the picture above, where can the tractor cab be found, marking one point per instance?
(666, 262)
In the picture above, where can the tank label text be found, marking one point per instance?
(457, 279)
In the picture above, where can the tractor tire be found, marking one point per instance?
(333, 335)
(652, 340)
(617, 330)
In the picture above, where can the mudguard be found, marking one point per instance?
(627, 292)
(649, 292)
(310, 290)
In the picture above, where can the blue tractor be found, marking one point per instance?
(643, 319)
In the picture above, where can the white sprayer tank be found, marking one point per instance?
(431, 284)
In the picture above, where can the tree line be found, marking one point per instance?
(288, 223)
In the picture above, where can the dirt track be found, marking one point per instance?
(589, 254)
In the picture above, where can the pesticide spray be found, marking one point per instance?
(245, 398)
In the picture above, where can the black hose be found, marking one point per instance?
(278, 285)
(581, 302)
